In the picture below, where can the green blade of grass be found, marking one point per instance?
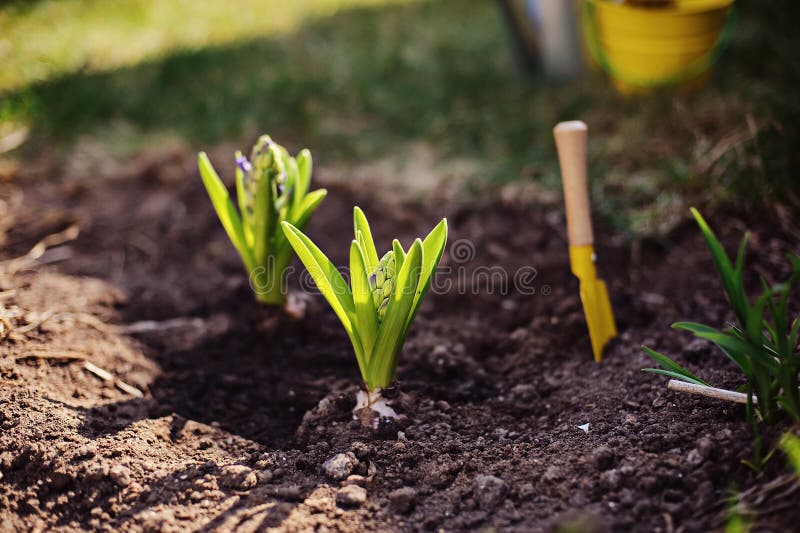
(225, 209)
(731, 278)
(738, 359)
(755, 319)
(675, 375)
(673, 367)
(738, 348)
(790, 445)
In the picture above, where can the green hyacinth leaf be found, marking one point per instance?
(383, 361)
(225, 209)
(304, 167)
(240, 197)
(263, 218)
(366, 319)
(432, 250)
(399, 253)
(308, 206)
(370, 252)
(328, 279)
(671, 368)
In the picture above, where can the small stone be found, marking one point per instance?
(630, 419)
(723, 434)
(121, 475)
(355, 479)
(705, 447)
(340, 465)
(403, 500)
(351, 496)
(238, 477)
(489, 491)
(694, 458)
(360, 450)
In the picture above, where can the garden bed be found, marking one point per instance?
(242, 407)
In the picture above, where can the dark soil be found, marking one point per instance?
(242, 407)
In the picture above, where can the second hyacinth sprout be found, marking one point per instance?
(378, 307)
(271, 187)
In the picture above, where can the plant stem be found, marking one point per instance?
(267, 286)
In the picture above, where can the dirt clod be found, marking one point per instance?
(121, 475)
(237, 477)
(603, 458)
(403, 500)
(490, 491)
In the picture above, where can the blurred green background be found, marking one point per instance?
(363, 80)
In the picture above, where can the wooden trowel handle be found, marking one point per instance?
(571, 144)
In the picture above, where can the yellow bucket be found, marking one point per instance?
(647, 48)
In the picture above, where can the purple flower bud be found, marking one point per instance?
(243, 164)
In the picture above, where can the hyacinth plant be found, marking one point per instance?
(763, 342)
(379, 306)
(271, 187)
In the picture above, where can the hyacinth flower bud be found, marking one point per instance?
(381, 282)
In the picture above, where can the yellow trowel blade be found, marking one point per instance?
(594, 295)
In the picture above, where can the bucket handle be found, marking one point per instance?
(691, 71)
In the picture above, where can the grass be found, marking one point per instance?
(360, 78)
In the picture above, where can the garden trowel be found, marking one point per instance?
(571, 145)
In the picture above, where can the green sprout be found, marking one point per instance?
(763, 342)
(271, 187)
(378, 307)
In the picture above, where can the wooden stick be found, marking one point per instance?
(12, 266)
(571, 139)
(711, 392)
(105, 375)
(56, 354)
